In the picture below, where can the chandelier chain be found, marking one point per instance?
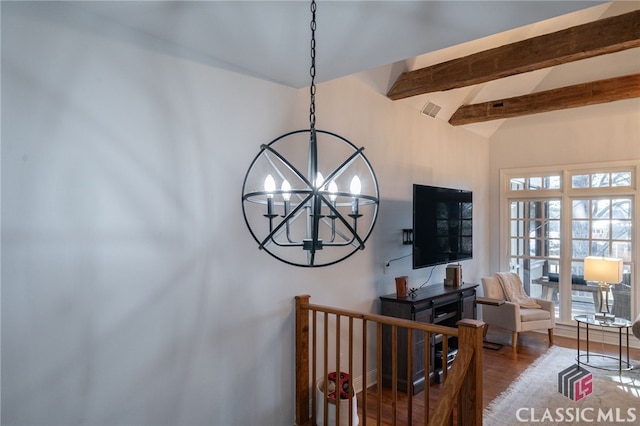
(312, 70)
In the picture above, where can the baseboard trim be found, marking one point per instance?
(372, 379)
(609, 335)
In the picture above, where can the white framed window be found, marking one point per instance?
(552, 218)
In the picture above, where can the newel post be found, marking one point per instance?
(302, 360)
(470, 396)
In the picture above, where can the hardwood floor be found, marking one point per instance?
(501, 367)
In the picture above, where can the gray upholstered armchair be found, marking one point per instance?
(636, 327)
(498, 311)
(622, 297)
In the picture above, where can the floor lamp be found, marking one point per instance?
(606, 271)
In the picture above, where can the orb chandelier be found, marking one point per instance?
(318, 217)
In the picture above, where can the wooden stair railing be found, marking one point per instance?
(462, 388)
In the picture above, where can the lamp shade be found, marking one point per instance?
(603, 269)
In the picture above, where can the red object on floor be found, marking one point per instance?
(342, 383)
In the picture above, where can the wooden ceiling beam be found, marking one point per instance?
(595, 92)
(596, 38)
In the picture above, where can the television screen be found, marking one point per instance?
(442, 225)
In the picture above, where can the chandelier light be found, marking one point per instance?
(317, 217)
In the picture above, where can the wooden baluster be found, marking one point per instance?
(445, 367)
(379, 360)
(338, 387)
(314, 372)
(302, 360)
(445, 355)
(364, 373)
(427, 373)
(326, 369)
(350, 371)
(409, 376)
(394, 373)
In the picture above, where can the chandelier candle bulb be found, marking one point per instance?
(269, 187)
(286, 196)
(355, 188)
(286, 190)
(333, 188)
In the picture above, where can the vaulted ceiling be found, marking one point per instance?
(378, 39)
(584, 60)
(601, 37)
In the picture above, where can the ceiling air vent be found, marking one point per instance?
(430, 109)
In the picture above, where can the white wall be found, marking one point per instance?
(131, 291)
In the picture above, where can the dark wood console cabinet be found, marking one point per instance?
(435, 304)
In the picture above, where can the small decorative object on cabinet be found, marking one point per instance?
(454, 275)
(401, 286)
(436, 304)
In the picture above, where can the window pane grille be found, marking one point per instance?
(535, 183)
(552, 182)
(601, 224)
(535, 242)
(516, 184)
(580, 249)
(580, 181)
(610, 232)
(621, 209)
(599, 180)
(602, 180)
(621, 179)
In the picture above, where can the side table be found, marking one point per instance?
(620, 324)
(492, 302)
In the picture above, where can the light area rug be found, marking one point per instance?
(534, 397)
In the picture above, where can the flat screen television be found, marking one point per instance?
(442, 225)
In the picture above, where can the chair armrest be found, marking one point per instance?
(547, 305)
(506, 315)
(635, 328)
(490, 301)
(550, 307)
(511, 307)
